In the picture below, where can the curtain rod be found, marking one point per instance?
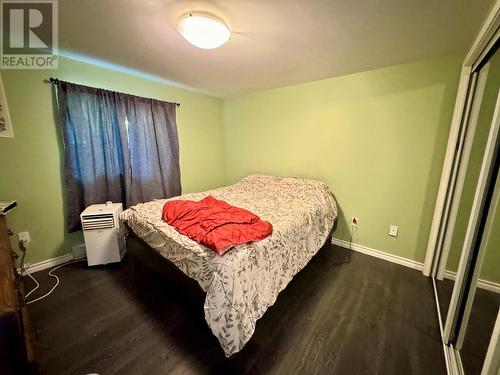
(55, 81)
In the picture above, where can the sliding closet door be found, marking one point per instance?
(463, 255)
(475, 298)
(467, 164)
(468, 230)
(486, 297)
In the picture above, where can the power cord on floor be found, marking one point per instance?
(50, 274)
(24, 248)
(23, 245)
(354, 229)
(37, 285)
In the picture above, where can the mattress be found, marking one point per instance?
(242, 284)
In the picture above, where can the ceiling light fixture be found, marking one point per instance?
(203, 30)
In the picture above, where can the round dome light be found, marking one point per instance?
(203, 30)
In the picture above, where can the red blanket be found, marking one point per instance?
(215, 223)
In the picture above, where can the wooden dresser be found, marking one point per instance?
(17, 354)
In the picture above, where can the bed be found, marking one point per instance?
(243, 283)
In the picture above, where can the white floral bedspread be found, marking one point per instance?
(242, 284)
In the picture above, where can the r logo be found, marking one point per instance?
(29, 28)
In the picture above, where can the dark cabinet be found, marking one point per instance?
(17, 354)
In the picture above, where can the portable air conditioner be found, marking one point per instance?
(104, 234)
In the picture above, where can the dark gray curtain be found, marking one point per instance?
(118, 147)
(153, 150)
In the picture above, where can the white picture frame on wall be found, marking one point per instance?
(5, 123)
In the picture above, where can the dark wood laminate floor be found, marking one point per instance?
(480, 327)
(444, 290)
(481, 323)
(365, 317)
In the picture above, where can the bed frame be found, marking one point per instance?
(145, 258)
(143, 255)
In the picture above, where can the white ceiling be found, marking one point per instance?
(274, 42)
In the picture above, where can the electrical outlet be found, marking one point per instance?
(24, 237)
(354, 221)
(393, 230)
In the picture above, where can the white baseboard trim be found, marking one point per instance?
(380, 254)
(481, 283)
(48, 263)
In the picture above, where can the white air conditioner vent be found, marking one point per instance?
(104, 233)
(98, 221)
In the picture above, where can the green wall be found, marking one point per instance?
(491, 265)
(32, 161)
(378, 139)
